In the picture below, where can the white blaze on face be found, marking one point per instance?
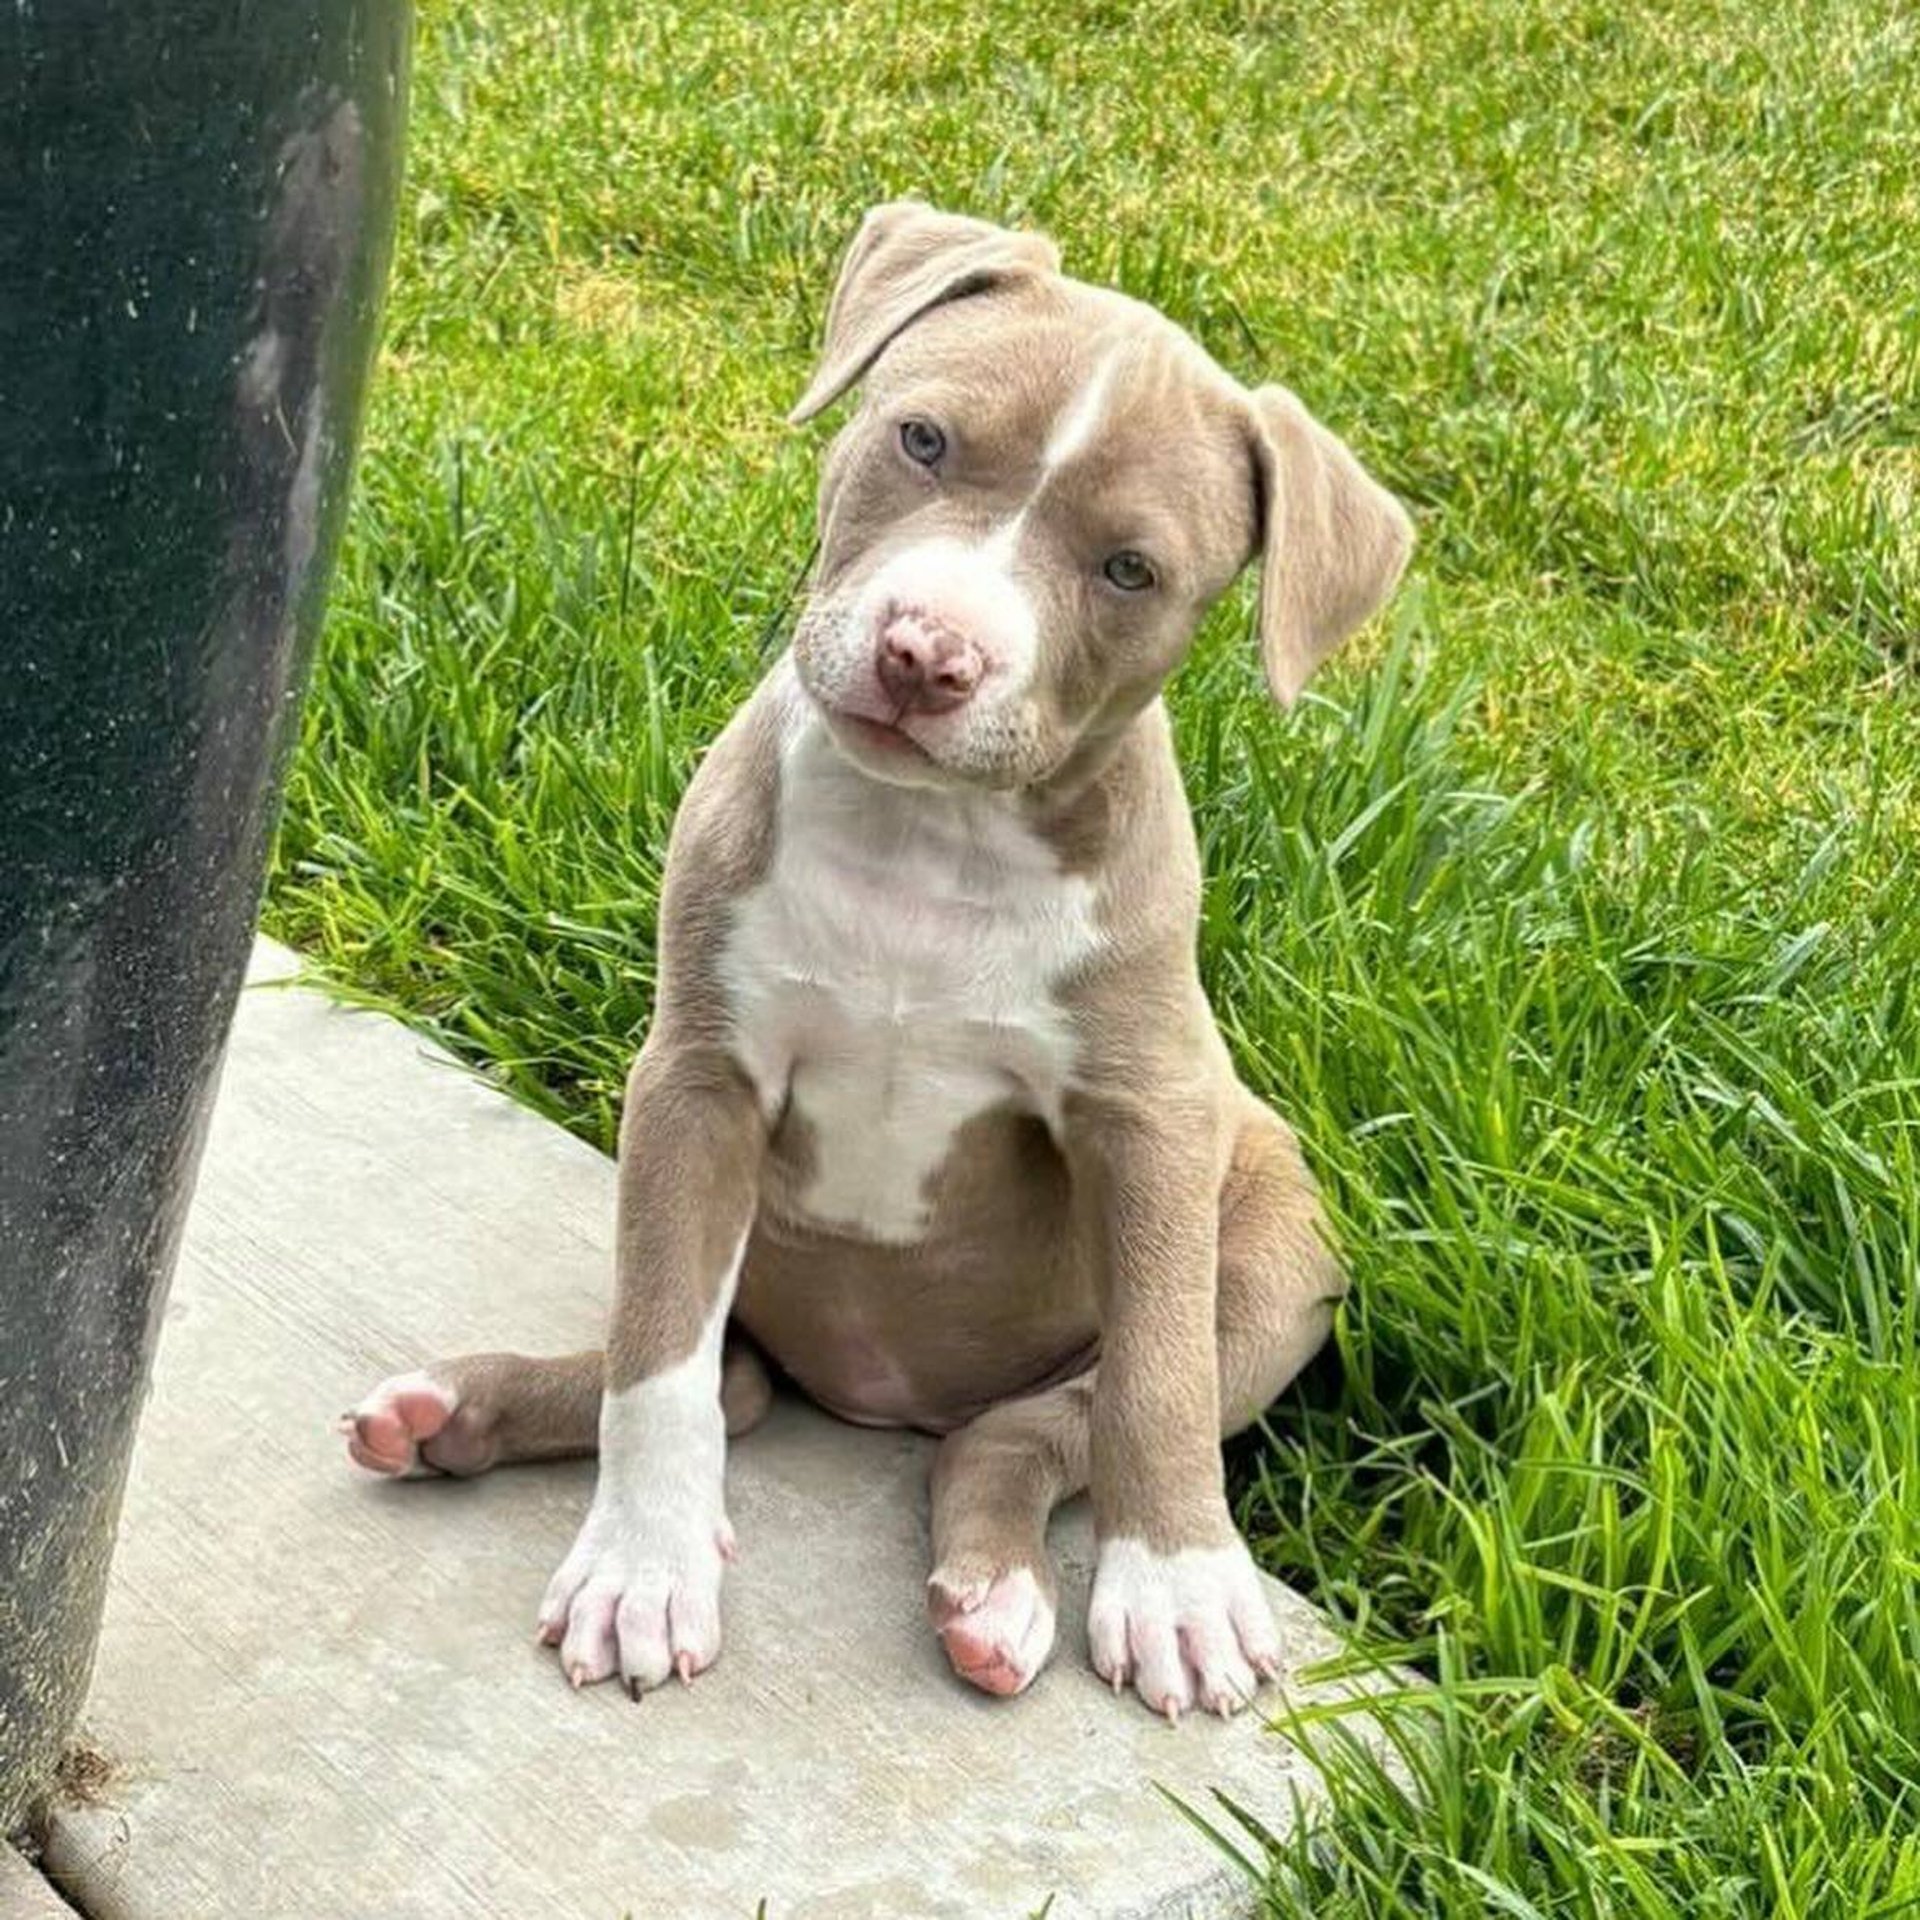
(1073, 432)
(972, 586)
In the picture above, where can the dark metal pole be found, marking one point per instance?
(196, 206)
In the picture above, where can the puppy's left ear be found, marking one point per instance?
(907, 259)
(1333, 543)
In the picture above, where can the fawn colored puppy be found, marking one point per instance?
(933, 1114)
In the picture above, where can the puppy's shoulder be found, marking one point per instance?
(722, 840)
(720, 848)
(1128, 831)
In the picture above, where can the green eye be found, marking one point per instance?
(922, 442)
(1131, 572)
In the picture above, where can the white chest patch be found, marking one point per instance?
(893, 976)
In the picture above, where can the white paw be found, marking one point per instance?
(1188, 1628)
(997, 1629)
(638, 1595)
(388, 1430)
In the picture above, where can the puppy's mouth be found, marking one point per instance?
(877, 741)
(885, 738)
(878, 736)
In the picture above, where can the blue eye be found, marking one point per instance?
(1131, 572)
(922, 442)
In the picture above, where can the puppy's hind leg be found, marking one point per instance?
(991, 1596)
(746, 1389)
(479, 1411)
(491, 1409)
(996, 1480)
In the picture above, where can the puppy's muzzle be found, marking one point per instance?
(924, 663)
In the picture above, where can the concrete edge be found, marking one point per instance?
(25, 1893)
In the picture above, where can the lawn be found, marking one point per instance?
(1570, 919)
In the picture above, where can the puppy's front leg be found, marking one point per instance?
(639, 1594)
(1177, 1607)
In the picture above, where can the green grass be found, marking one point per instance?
(1572, 920)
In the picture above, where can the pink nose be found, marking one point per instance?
(925, 664)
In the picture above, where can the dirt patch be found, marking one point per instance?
(84, 1774)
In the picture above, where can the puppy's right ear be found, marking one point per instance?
(906, 259)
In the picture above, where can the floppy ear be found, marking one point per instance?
(905, 259)
(1332, 546)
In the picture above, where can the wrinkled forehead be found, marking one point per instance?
(1098, 392)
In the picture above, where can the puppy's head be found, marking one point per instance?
(1044, 488)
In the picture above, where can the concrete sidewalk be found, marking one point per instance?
(321, 1694)
(24, 1895)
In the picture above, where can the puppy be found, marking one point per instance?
(933, 1114)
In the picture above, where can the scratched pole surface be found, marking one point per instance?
(196, 208)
